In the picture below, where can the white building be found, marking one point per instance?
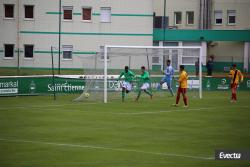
(28, 29)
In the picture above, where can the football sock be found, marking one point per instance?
(148, 92)
(123, 95)
(158, 86)
(235, 98)
(185, 100)
(177, 99)
(171, 91)
(139, 94)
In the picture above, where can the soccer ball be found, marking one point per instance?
(86, 95)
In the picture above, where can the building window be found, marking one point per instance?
(231, 17)
(67, 12)
(67, 52)
(9, 50)
(218, 15)
(160, 22)
(105, 14)
(190, 18)
(156, 43)
(28, 11)
(170, 43)
(9, 11)
(177, 18)
(86, 13)
(28, 51)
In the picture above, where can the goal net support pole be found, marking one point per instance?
(200, 73)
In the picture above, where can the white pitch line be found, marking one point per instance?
(157, 112)
(45, 106)
(108, 148)
(186, 110)
(133, 113)
(244, 107)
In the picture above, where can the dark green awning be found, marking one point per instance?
(201, 35)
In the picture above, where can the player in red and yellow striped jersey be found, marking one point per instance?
(236, 77)
(182, 86)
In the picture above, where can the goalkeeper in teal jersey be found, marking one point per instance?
(127, 83)
(145, 81)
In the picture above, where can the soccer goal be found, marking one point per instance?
(107, 65)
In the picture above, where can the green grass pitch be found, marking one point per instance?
(38, 132)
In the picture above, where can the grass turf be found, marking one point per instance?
(37, 132)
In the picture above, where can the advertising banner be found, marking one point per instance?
(220, 83)
(40, 85)
(11, 86)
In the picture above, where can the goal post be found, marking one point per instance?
(181, 55)
(105, 74)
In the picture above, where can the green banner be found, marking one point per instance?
(39, 85)
(11, 86)
(208, 84)
(211, 83)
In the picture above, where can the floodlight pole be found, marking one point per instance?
(53, 73)
(164, 32)
(59, 36)
(148, 60)
(164, 21)
(18, 37)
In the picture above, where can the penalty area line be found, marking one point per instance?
(107, 148)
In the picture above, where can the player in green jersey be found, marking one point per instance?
(127, 83)
(145, 81)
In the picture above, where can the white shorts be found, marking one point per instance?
(145, 86)
(127, 85)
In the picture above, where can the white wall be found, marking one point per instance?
(44, 22)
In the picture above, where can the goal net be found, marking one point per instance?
(105, 67)
(93, 74)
